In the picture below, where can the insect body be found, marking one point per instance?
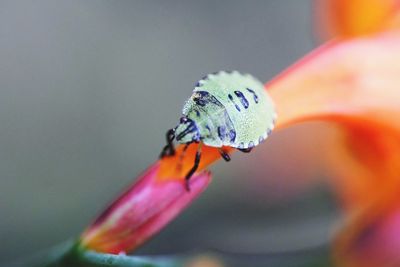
(225, 109)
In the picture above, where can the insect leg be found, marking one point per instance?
(224, 155)
(194, 168)
(245, 150)
(181, 156)
(169, 149)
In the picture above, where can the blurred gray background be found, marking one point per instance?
(88, 89)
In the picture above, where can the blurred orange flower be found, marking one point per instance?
(356, 85)
(367, 161)
(349, 18)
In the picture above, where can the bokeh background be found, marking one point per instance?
(87, 91)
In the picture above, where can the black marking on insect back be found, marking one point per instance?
(197, 113)
(200, 101)
(221, 132)
(255, 96)
(219, 116)
(231, 99)
(242, 99)
(232, 135)
(202, 98)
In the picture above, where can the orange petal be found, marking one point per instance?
(352, 79)
(340, 83)
(349, 18)
(355, 84)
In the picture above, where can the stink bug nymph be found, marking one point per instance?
(225, 109)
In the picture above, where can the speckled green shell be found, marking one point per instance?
(231, 109)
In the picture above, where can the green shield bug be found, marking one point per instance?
(225, 109)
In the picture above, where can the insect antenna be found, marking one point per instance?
(181, 156)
